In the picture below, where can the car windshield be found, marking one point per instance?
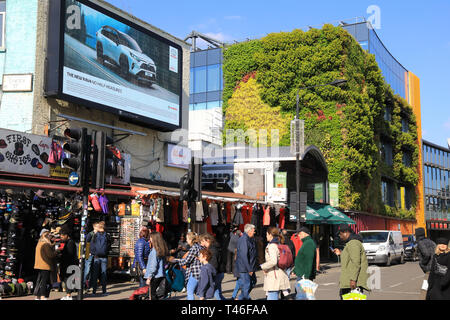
(128, 41)
(372, 237)
(407, 239)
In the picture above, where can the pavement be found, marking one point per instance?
(396, 282)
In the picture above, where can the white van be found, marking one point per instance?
(383, 246)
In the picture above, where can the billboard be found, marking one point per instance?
(110, 63)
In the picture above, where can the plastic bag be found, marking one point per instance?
(354, 295)
(306, 289)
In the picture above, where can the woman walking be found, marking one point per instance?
(275, 279)
(45, 264)
(155, 265)
(141, 252)
(192, 264)
(439, 279)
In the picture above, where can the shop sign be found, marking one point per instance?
(334, 194)
(24, 153)
(280, 179)
(178, 156)
(60, 172)
(278, 194)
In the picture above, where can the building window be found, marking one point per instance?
(405, 125)
(200, 79)
(386, 153)
(387, 114)
(406, 159)
(2, 24)
(214, 77)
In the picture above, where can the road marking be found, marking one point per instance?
(396, 285)
(327, 284)
(399, 292)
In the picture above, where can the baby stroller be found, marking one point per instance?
(172, 282)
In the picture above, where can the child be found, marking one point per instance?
(206, 284)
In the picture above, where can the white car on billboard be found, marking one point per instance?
(121, 50)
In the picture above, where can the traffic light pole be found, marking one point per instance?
(297, 170)
(85, 185)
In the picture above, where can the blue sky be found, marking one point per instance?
(416, 32)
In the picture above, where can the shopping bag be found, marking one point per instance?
(425, 285)
(306, 289)
(354, 295)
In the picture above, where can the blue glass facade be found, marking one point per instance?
(206, 84)
(394, 73)
(436, 172)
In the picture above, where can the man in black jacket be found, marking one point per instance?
(246, 256)
(69, 257)
(425, 251)
(99, 248)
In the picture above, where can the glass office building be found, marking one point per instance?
(394, 73)
(436, 171)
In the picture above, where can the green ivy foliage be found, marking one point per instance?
(346, 123)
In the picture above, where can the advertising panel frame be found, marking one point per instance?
(55, 65)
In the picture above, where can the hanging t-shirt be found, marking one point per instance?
(228, 211)
(266, 217)
(199, 214)
(281, 218)
(214, 214)
(174, 207)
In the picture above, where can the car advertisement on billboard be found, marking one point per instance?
(118, 65)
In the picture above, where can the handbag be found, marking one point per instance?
(440, 269)
(355, 294)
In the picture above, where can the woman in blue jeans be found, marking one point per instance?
(141, 252)
(156, 260)
(192, 264)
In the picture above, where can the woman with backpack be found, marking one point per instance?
(155, 265)
(275, 279)
(193, 265)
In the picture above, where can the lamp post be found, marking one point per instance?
(337, 82)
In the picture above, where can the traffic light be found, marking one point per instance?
(102, 159)
(77, 147)
(186, 188)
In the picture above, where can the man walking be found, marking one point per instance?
(425, 251)
(99, 248)
(246, 261)
(353, 262)
(305, 261)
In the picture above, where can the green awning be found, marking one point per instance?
(319, 213)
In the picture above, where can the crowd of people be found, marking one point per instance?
(204, 259)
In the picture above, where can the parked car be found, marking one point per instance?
(123, 51)
(410, 246)
(383, 246)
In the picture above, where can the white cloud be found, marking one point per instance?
(233, 18)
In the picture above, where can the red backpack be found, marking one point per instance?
(286, 260)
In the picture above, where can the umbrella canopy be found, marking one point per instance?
(319, 213)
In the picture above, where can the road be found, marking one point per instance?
(397, 282)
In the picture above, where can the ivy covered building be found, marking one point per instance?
(368, 131)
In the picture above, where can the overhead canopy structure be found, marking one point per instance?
(319, 213)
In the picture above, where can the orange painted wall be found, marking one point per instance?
(414, 101)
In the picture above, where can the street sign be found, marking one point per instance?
(73, 178)
(297, 136)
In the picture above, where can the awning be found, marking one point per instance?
(319, 213)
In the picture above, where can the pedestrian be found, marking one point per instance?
(99, 248)
(439, 280)
(353, 262)
(45, 264)
(206, 286)
(88, 262)
(285, 240)
(217, 261)
(275, 279)
(246, 256)
(235, 233)
(69, 257)
(156, 261)
(182, 247)
(192, 264)
(141, 252)
(305, 261)
(425, 252)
